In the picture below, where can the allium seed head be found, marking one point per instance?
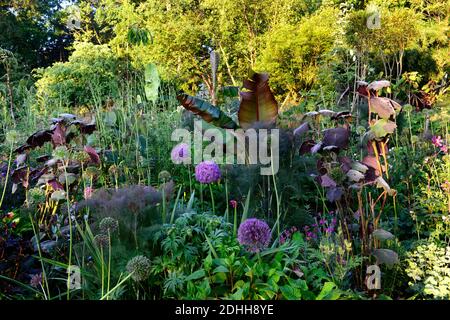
(140, 267)
(108, 224)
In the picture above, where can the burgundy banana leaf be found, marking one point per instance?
(257, 101)
(207, 111)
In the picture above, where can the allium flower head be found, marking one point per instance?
(180, 153)
(140, 266)
(36, 280)
(207, 172)
(254, 234)
(233, 204)
(108, 224)
(102, 240)
(164, 176)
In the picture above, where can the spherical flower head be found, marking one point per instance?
(102, 240)
(140, 267)
(254, 234)
(61, 153)
(12, 137)
(233, 204)
(207, 172)
(180, 154)
(164, 176)
(108, 225)
(36, 280)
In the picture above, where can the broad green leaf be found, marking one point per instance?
(207, 111)
(67, 178)
(386, 256)
(196, 275)
(110, 118)
(382, 234)
(257, 101)
(58, 195)
(291, 293)
(152, 82)
(383, 127)
(329, 292)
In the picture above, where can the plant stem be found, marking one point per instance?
(212, 199)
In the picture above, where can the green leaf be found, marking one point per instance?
(207, 111)
(386, 256)
(152, 82)
(67, 178)
(381, 234)
(329, 292)
(291, 293)
(196, 275)
(221, 269)
(229, 91)
(383, 127)
(110, 118)
(257, 101)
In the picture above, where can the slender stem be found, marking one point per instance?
(212, 199)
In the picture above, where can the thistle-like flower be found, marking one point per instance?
(108, 225)
(207, 172)
(254, 234)
(140, 267)
(36, 280)
(102, 240)
(164, 176)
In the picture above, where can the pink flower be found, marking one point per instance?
(88, 191)
(444, 149)
(233, 204)
(437, 141)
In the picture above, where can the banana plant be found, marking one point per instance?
(257, 104)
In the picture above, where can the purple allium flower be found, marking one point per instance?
(36, 280)
(233, 204)
(180, 153)
(254, 234)
(207, 172)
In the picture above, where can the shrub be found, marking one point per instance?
(70, 83)
(429, 268)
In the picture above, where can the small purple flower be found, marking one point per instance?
(329, 230)
(254, 234)
(36, 280)
(207, 172)
(180, 153)
(437, 141)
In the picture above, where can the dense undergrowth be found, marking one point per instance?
(93, 185)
